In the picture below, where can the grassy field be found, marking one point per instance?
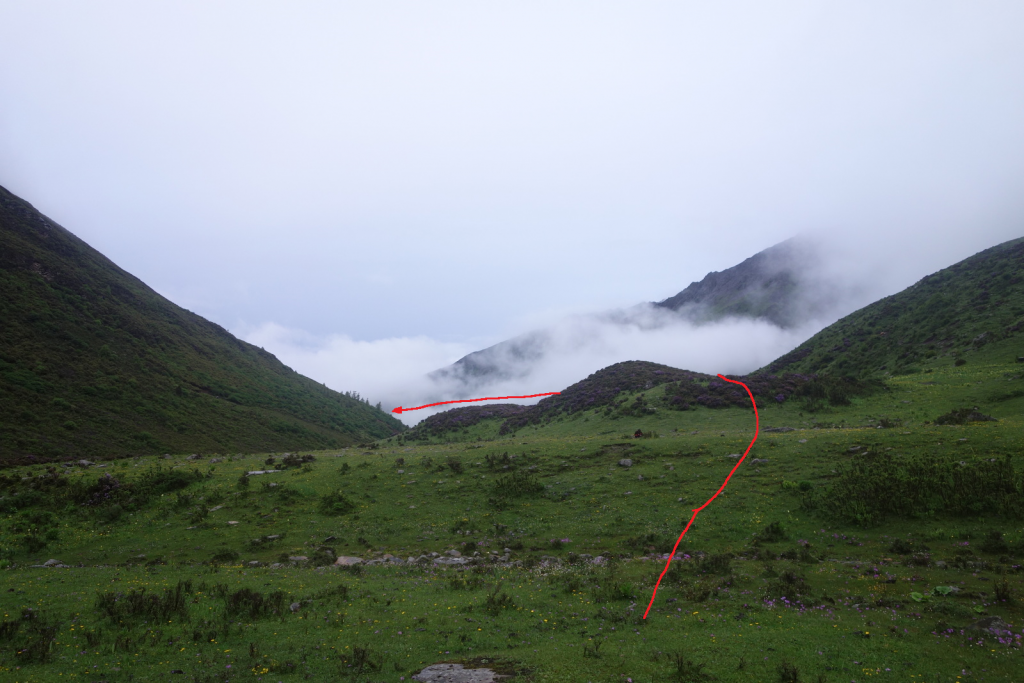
(807, 568)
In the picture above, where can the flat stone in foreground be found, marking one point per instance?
(454, 673)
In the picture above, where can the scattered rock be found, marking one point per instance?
(758, 460)
(232, 523)
(85, 463)
(453, 553)
(52, 563)
(273, 537)
(297, 558)
(625, 462)
(167, 456)
(276, 565)
(213, 460)
(639, 477)
(628, 493)
(779, 429)
(802, 441)
(329, 539)
(254, 563)
(194, 456)
(455, 673)
(733, 455)
(401, 471)
(993, 625)
(261, 472)
(294, 607)
(345, 561)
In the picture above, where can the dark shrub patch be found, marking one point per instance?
(335, 504)
(224, 557)
(962, 416)
(140, 604)
(772, 533)
(497, 600)
(249, 604)
(876, 486)
(994, 543)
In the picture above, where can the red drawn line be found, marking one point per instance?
(400, 409)
(757, 427)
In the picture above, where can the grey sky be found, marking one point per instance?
(444, 175)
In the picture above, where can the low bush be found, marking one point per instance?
(136, 605)
(335, 504)
(249, 604)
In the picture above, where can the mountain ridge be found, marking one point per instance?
(95, 363)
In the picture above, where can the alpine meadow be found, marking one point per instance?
(178, 505)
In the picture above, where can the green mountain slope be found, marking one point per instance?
(953, 312)
(94, 363)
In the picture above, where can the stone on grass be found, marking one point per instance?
(294, 607)
(456, 673)
(625, 462)
(345, 561)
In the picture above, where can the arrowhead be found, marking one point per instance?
(397, 410)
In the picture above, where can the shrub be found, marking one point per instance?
(689, 671)
(994, 543)
(788, 672)
(32, 636)
(496, 601)
(224, 557)
(295, 460)
(771, 534)
(140, 604)
(249, 604)
(876, 486)
(334, 504)
(962, 416)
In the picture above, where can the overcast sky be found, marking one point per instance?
(413, 181)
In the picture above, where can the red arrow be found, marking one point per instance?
(400, 409)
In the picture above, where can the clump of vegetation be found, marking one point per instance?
(246, 603)
(688, 670)
(876, 486)
(497, 600)
(772, 533)
(136, 605)
(224, 557)
(994, 543)
(295, 460)
(514, 485)
(31, 636)
(334, 504)
(962, 416)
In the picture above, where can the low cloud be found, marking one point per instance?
(390, 371)
(394, 371)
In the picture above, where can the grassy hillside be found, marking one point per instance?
(807, 567)
(93, 363)
(949, 314)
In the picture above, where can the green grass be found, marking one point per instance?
(93, 363)
(830, 597)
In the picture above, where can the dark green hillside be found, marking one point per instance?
(94, 363)
(951, 313)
